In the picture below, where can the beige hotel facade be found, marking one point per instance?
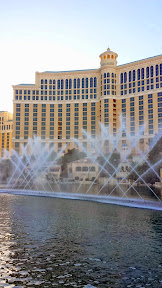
(6, 128)
(126, 99)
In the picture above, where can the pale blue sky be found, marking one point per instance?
(65, 35)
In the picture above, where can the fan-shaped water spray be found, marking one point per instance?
(121, 176)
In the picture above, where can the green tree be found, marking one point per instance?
(153, 157)
(110, 165)
(70, 156)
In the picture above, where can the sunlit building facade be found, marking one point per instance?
(6, 126)
(126, 99)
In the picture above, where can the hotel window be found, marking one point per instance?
(95, 82)
(132, 99)
(132, 103)
(74, 86)
(91, 82)
(82, 84)
(151, 71)
(121, 78)
(138, 74)
(141, 122)
(134, 75)
(160, 69)
(130, 76)
(150, 114)
(62, 84)
(159, 112)
(86, 83)
(142, 73)
(157, 70)
(66, 84)
(78, 83)
(132, 118)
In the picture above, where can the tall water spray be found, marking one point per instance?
(123, 172)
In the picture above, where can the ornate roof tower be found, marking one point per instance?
(108, 58)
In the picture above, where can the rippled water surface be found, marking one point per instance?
(48, 242)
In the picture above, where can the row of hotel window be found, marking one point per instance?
(85, 93)
(5, 127)
(107, 75)
(132, 115)
(43, 119)
(105, 84)
(140, 74)
(93, 103)
(68, 96)
(5, 145)
(18, 105)
(36, 92)
(141, 86)
(69, 83)
(141, 115)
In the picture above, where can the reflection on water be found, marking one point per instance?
(48, 242)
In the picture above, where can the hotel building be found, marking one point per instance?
(126, 99)
(6, 124)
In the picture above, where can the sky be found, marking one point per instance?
(70, 34)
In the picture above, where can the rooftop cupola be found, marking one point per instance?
(108, 58)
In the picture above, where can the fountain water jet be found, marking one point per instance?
(30, 168)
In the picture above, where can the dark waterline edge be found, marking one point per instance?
(127, 202)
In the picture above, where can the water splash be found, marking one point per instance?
(29, 171)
